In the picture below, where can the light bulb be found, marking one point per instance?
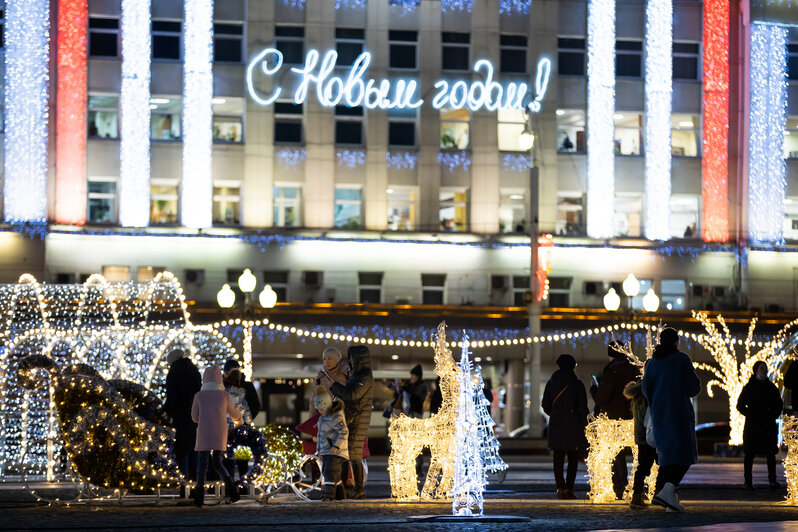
(247, 281)
(631, 286)
(650, 301)
(612, 300)
(226, 297)
(268, 297)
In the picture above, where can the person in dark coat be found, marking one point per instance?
(669, 381)
(436, 397)
(182, 381)
(646, 454)
(761, 405)
(610, 400)
(357, 397)
(413, 394)
(565, 402)
(250, 393)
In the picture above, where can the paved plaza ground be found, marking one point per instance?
(712, 494)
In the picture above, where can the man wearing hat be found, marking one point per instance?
(182, 381)
(609, 397)
(250, 393)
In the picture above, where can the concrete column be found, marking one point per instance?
(514, 397)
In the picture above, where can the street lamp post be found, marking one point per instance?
(247, 282)
(533, 310)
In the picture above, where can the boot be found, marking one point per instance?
(667, 497)
(561, 493)
(357, 472)
(637, 501)
(199, 497)
(329, 492)
(232, 490)
(340, 492)
(569, 494)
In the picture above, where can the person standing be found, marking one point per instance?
(436, 398)
(610, 400)
(250, 392)
(182, 381)
(357, 397)
(413, 394)
(210, 409)
(669, 382)
(233, 380)
(335, 367)
(333, 436)
(646, 454)
(761, 405)
(565, 402)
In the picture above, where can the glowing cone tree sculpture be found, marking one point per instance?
(488, 444)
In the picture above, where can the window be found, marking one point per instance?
(279, 283)
(369, 287)
(290, 40)
(163, 201)
(520, 288)
(512, 211)
(349, 44)
(512, 56)
(103, 37)
(454, 128)
(673, 294)
(402, 127)
(791, 138)
(453, 211)
(433, 288)
(511, 125)
(101, 200)
(685, 60)
(402, 49)
(103, 116)
(571, 136)
(2, 28)
(792, 61)
(559, 292)
(685, 215)
(455, 51)
(570, 214)
(228, 120)
(685, 136)
(287, 123)
(166, 39)
(287, 205)
(165, 113)
(116, 274)
(402, 208)
(637, 301)
(628, 215)
(228, 42)
(227, 203)
(148, 273)
(348, 125)
(628, 133)
(571, 56)
(348, 207)
(628, 58)
(791, 218)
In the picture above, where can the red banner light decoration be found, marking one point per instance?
(545, 247)
(715, 162)
(70, 158)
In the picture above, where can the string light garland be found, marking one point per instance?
(789, 432)
(289, 159)
(196, 186)
(351, 158)
(509, 7)
(134, 105)
(27, 45)
(457, 5)
(408, 6)
(350, 4)
(545, 247)
(731, 370)
(287, 446)
(409, 436)
(715, 130)
(488, 443)
(768, 118)
(516, 163)
(453, 160)
(401, 160)
(254, 442)
(600, 121)
(658, 123)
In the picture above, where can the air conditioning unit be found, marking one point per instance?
(195, 276)
(592, 288)
(311, 279)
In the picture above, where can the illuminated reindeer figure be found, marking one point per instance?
(437, 432)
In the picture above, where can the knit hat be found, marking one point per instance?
(668, 336)
(322, 399)
(616, 349)
(230, 364)
(174, 355)
(566, 362)
(418, 371)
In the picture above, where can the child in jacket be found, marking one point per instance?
(332, 446)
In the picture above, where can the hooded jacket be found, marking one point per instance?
(210, 409)
(565, 402)
(333, 432)
(339, 374)
(357, 397)
(669, 381)
(761, 405)
(182, 382)
(609, 394)
(634, 392)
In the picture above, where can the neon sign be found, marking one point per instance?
(356, 89)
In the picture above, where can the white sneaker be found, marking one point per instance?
(667, 497)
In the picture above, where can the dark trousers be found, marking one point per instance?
(646, 456)
(187, 463)
(748, 462)
(215, 458)
(620, 474)
(358, 474)
(559, 463)
(672, 473)
(231, 465)
(332, 467)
